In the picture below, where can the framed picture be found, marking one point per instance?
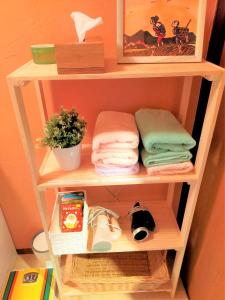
(158, 31)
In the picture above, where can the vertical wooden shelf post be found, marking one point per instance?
(214, 100)
(19, 108)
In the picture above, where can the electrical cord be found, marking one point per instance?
(99, 210)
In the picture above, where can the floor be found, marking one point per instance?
(29, 260)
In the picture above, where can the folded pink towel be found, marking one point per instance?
(115, 157)
(170, 169)
(115, 130)
(105, 171)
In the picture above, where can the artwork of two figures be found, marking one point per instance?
(161, 27)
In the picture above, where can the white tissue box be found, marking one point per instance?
(87, 57)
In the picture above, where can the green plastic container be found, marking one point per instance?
(43, 54)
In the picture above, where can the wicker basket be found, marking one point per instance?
(117, 272)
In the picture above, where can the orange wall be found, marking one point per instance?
(28, 22)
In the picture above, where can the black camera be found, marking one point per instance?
(142, 222)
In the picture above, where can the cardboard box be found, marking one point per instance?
(68, 242)
(71, 211)
(87, 57)
(27, 284)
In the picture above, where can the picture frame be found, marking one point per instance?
(151, 31)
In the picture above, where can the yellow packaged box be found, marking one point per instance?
(29, 284)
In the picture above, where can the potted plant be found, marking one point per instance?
(63, 134)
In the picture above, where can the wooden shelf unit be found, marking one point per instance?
(168, 235)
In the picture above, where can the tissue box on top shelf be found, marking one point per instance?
(87, 57)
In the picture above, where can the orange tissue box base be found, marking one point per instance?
(86, 57)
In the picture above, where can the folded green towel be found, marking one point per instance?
(159, 129)
(163, 157)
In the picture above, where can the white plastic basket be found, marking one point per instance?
(67, 242)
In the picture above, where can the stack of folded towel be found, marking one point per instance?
(166, 143)
(115, 144)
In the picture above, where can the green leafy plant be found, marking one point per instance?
(64, 130)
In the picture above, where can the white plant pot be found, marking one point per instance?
(68, 158)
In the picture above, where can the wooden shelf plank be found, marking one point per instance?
(31, 71)
(71, 291)
(180, 295)
(51, 176)
(166, 235)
